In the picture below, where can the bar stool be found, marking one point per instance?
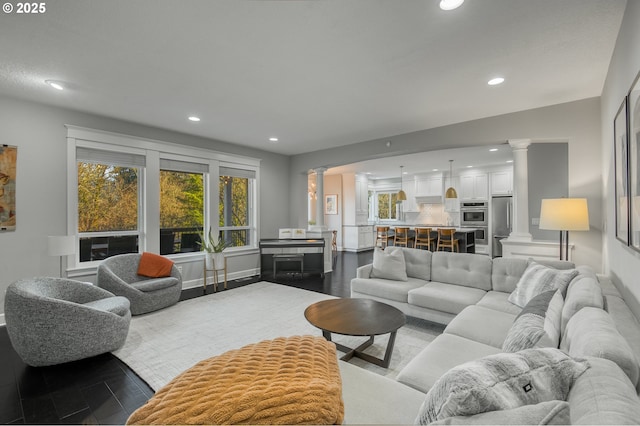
(382, 236)
(446, 240)
(402, 237)
(423, 238)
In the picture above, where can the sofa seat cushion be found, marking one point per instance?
(497, 300)
(464, 269)
(442, 354)
(386, 289)
(482, 325)
(155, 284)
(444, 297)
(603, 395)
(371, 398)
(118, 305)
(544, 413)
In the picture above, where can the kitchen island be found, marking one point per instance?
(466, 236)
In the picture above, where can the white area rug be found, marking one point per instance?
(165, 343)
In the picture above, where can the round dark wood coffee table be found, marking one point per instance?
(357, 317)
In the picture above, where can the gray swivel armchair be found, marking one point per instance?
(56, 320)
(118, 274)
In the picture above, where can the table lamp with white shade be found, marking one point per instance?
(61, 245)
(564, 215)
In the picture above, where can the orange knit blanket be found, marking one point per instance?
(292, 380)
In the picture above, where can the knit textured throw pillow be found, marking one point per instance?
(537, 279)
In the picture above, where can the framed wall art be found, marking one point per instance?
(8, 161)
(633, 126)
(621, 170)
(331, 204)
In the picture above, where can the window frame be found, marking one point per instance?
(149, 190)
(393, 206)
(251, 207)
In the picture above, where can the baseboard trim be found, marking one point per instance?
(230, 276)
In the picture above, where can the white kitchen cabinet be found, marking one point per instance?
(357, 238)
(502, 182)
(362, 195)
(409, 187)
(474, 187)
(429, 186)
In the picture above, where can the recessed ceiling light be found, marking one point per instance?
(468, 167)
(450, 4)
(509, 161)
(434, 170)
(493, 149)
(55, 84)
(495, 81)
(194, 118)
(405, 173)
(273, 140)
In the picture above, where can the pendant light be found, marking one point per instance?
(451, 191)
(402, 196)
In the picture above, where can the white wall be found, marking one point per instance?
(577, 123)
(621, 262)
(38, 131)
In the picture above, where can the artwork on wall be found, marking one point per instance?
(633, 105)
(621, 162)
(8, 161)
(331, 204)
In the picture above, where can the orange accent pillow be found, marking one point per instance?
(154, 266)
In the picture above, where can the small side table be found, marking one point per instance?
(215, 275)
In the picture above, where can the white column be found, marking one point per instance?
(320, 200)
(520, 230)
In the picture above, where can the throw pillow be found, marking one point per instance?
(389, 264)
(537, 325)
(501, 382)
(537, 279)
(154, 266)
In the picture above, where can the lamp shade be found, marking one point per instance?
(61, 245)
(564, 214)
(402, 195)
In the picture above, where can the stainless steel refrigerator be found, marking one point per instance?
(501, 220)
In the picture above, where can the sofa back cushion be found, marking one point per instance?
(592, 332)
(418, 263)
(583, 291)
(506, 273)
(470, 270)
(603, 395)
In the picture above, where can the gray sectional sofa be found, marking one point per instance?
(469, 293)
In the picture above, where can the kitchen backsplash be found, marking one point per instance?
(433, 214)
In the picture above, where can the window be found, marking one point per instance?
(108, 203)
(387, 205)
(182, 209)
(129, 195)
(236, 210)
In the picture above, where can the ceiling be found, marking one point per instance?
(314, 73)
(427, 162)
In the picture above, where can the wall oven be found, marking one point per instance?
(474, 214)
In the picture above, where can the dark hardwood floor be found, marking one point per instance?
(102, 389)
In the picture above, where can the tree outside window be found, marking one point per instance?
(235, 219)
(181, 211)
(108, 210)
(387, 205)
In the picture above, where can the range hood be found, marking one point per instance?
(429, 199)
